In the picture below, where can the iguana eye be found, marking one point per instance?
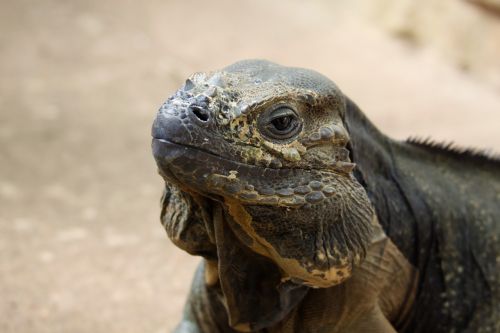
(280, 124)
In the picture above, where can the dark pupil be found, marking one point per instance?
(282, 123)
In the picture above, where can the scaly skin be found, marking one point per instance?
(260, 181)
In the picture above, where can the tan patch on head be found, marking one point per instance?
(256, 155)
(232, 175)
(290, 151)
(241, 129)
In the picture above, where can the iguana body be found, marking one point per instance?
(260, 181)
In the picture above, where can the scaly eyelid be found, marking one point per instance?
(282, 111)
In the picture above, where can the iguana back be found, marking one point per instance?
(441, 207)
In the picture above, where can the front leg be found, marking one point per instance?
(193, 321)
(376, 298)
(373, 321)
(380, 292)
(204, 311)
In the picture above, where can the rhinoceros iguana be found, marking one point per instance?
(309, 219)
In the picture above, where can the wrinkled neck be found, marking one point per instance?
(377, 171)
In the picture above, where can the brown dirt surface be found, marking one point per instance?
(82, 249)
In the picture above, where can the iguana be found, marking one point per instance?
(309, 219)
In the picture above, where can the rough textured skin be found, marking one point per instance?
(311, 220)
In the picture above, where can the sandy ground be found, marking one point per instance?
(81, 247)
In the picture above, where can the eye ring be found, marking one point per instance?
(280, 123)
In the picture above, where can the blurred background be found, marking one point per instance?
(81, 246)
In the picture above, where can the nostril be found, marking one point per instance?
(200, 113)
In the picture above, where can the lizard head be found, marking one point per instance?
(269, 142)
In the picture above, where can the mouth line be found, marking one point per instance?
(238, 163)
(194, 148)
(224, 158)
